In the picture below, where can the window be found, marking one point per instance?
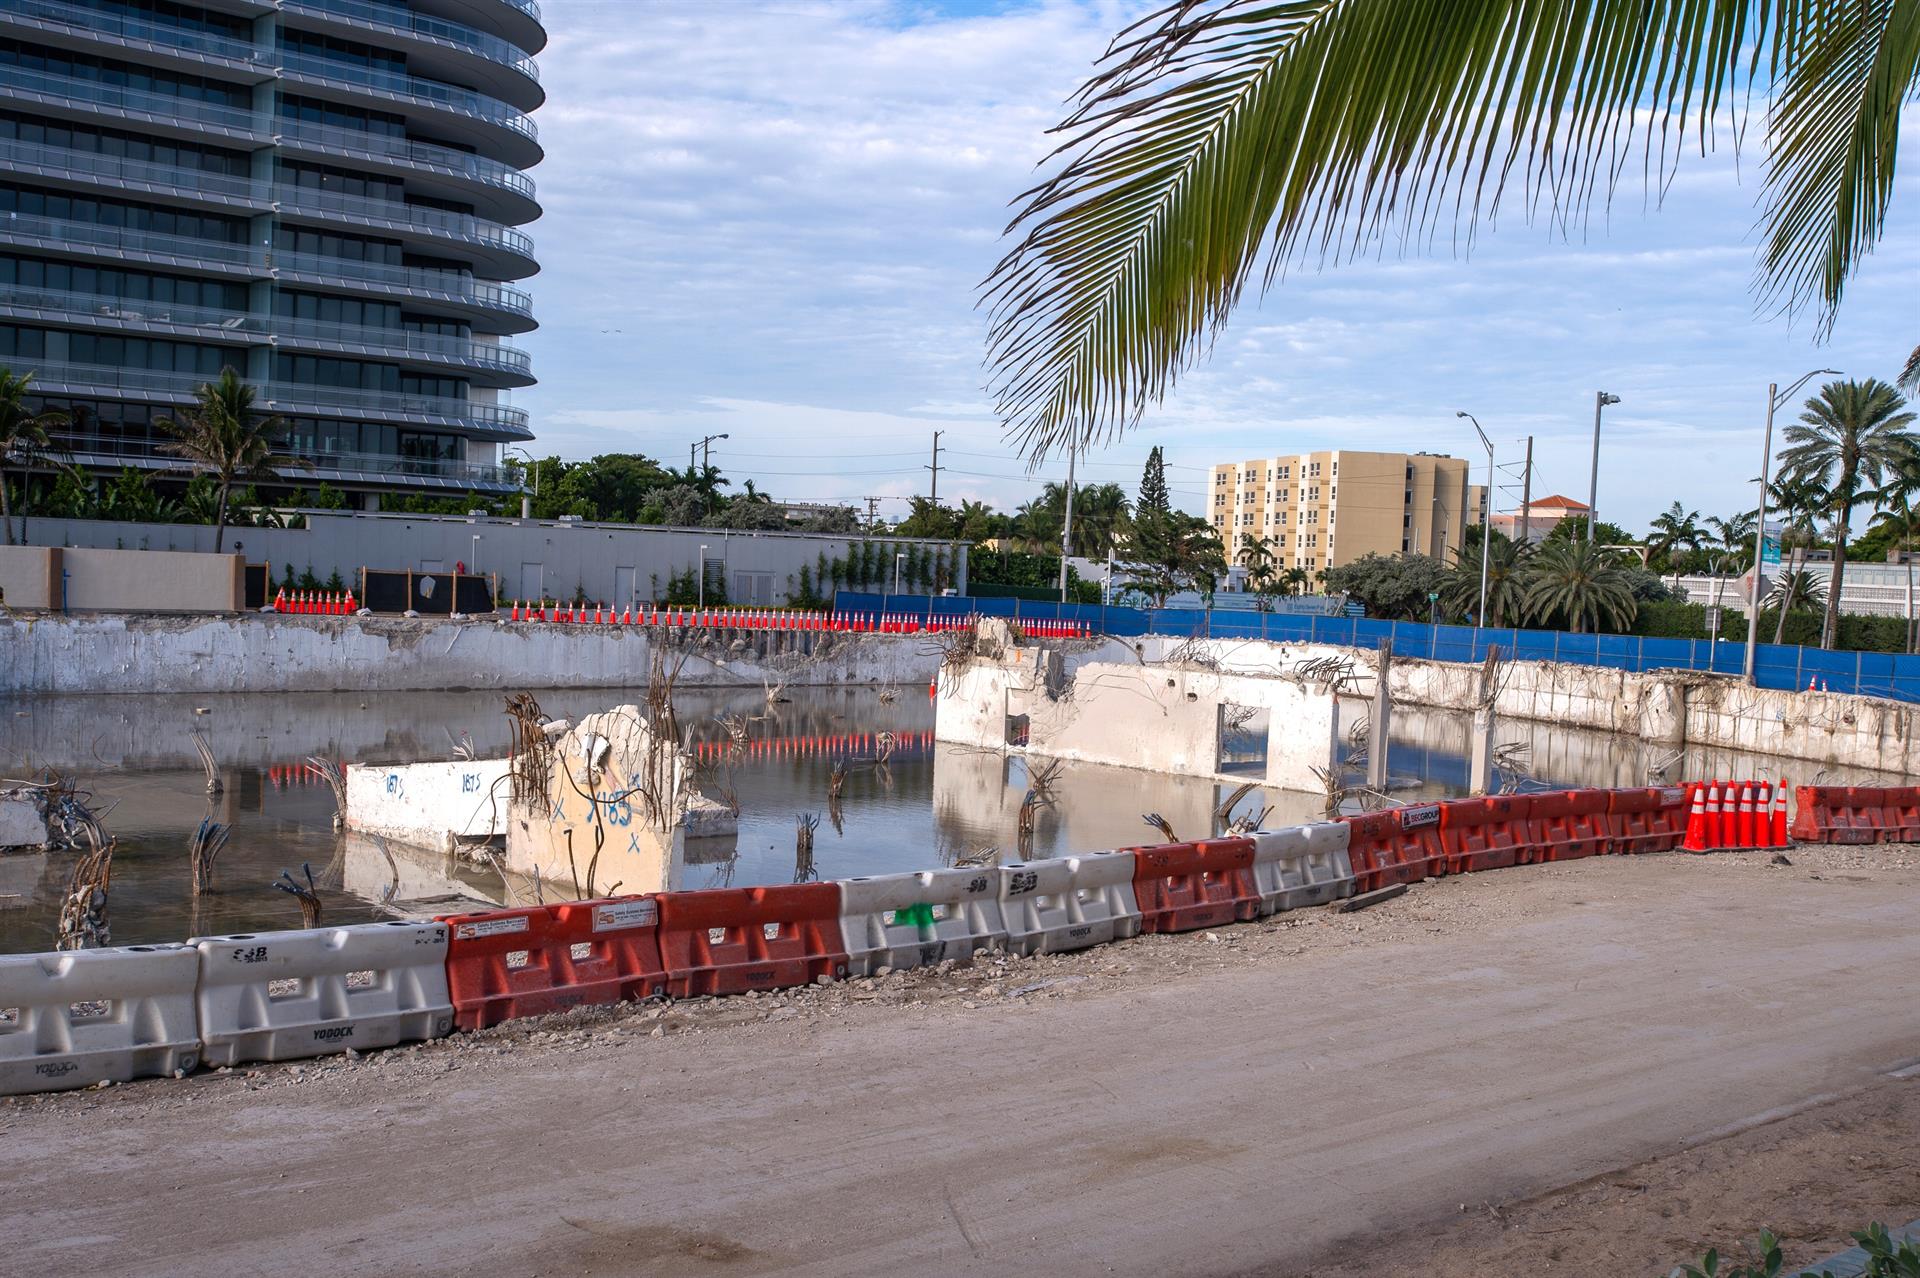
(151, 353)
(158, 219)
(351, 52)
(354, 248)
(190, 18)
(108, 281)
(41, 131)
(334, 116)
(351, 311)
(23, 343)
(322, 177)
(124, 75)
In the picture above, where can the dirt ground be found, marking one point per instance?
(1603, 1066)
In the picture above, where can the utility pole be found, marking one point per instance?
(935, 468)
(1066, 529)
(873, 511)
(1600, 400)
(1526, 495)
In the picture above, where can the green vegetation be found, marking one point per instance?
(1885, 1259)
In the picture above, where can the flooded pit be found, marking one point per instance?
(931, 805)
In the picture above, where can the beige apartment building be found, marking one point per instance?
(1321, 510)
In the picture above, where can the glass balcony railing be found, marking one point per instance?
(55, 305)
(528, 7)
(127, 29)
(460, 225)
(490, 47)
(57, 232)
(275, 397)
(445, 159)
(127, 173)
(445, 96)
(319, 461)
(500, 297)
(20, 82)
(63, 232)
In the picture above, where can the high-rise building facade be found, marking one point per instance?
(324, 195)
(1321, 510)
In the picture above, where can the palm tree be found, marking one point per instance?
(1795, 590)
(1581, 582)
(1099, 517)
(1849, 432)
(1676, 529)
(224, 438)
(1900, 521)
(1296, 580)
(1798, 499)
(1207, 148)
(26, 438)
(1507, 569)
(1256, 556)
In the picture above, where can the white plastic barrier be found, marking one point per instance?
(276, 996)
(917, 920)
(1069, 902)
(81, 1017)
(1302, 865)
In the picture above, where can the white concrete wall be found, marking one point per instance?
(428, 804)
(1163, 718)
(270, 653)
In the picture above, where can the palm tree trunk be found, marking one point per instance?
(220, 517)
(1830, 628)
(6, 508)
(1780, 623)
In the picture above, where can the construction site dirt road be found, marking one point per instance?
(1317, 1093)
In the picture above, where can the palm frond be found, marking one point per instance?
(1217, 134)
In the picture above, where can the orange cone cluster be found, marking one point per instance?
(1731, 815)
(314, 603)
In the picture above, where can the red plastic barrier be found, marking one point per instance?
(1565, 825)
(1485, 834)
(1650, 819)
(508, 963)
(1856, 814)
(1183, 886)
(1398, 845)
(731, 940)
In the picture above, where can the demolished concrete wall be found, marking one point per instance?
(1163, 717)
(429, 805)
(602, 811)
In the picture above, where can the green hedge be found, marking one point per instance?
(1083, 592)
(1689, 621)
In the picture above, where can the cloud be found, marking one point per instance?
(770, 220)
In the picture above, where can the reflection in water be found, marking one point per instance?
(931, 804)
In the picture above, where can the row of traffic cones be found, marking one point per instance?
(1731, 815)
(888, 623)
(314, 603)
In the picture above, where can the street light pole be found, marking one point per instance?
(1600, 400)
(702, 596)
(1486, 521)
(1775, 398)
(1066, 529)
(526, 503)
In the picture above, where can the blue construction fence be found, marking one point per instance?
(1873, 674)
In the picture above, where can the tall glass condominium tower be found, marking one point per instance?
(324, 195)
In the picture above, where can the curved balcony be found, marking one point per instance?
(369, 468)
(136, 177)
(328, 140)
(517, 20)
(515, 131)
(501, 364)
(94, 98)
(128, 34)
(495, 421)
(505, 243)
(65, 234)
(435, 35)
(494, 301)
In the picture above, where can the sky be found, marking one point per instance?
(770, 219)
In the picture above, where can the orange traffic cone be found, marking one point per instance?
(1715, 831)
(280, 600)
(1696, 824)
(1743, 818)
(352, 606)
(1779, 822)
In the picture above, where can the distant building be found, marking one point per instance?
(1540, 518)
(1321, 510)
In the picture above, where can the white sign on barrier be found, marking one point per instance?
(1069, 902)
(917, 920)
(1302, 865)
(81, 1017)
(275, 996)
